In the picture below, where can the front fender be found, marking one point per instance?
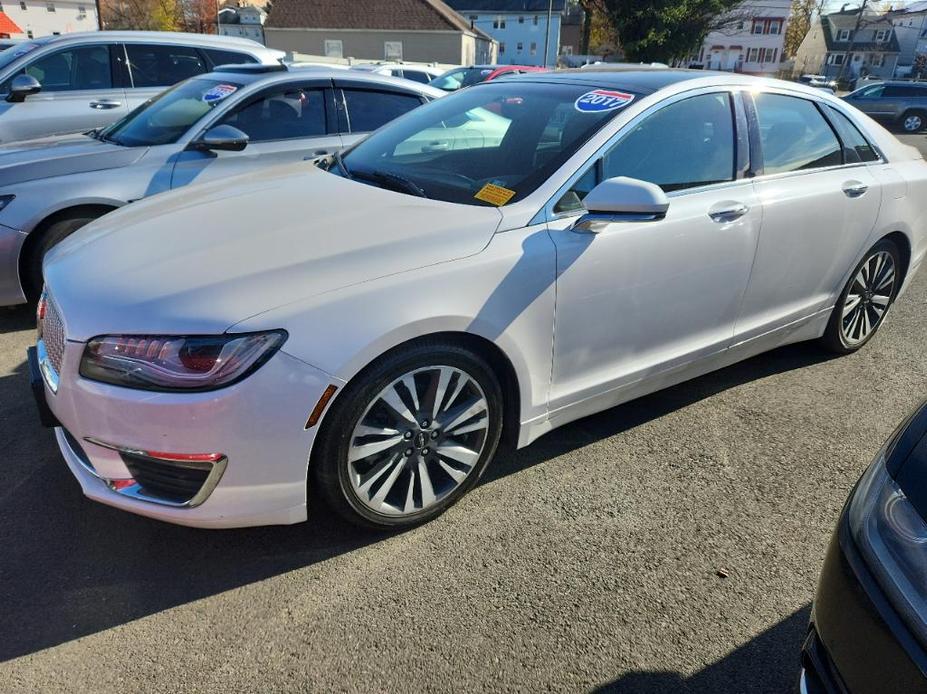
(504, 294)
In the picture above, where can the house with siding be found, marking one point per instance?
(394, 30)
(520, 27)
(750, 39)
(37, 18)
(910, 25)
(845, 44)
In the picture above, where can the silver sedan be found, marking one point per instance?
(224, 123)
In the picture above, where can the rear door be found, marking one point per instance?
(284, 123)
(81, 90)
(820, 203)
(363, 107)
(154, 67)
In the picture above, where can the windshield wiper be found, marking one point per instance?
(394, 180)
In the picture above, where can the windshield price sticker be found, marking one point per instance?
(599, 100)
(219, 92)
(495, 195)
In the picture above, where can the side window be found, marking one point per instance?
(86, 67)
(163, 65)
(856, 147)
(794, 135)
(368, 110)
(217, 57)
(416, 76)
(684, 145)
(281, 115)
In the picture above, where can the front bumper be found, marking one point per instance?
(857, 642)
(258, 424)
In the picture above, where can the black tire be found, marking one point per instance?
(912, 122)
(48, 237)
(834, 338)
(329, 467)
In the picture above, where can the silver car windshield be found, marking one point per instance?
(489, 144)
(166, 118)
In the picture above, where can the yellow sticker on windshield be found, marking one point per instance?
(495, 195)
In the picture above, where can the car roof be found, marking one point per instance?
(154, 36)
(640, 79)
(271, 74)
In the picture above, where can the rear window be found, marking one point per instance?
(461, 77)
(217, 57)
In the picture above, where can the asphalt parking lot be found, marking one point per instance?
(671, 544)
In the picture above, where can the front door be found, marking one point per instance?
(78, 94)
(284, 124)
(818, 211)
(645, 296)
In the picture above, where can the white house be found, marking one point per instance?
(751, 39)
(37, 18)
(910, 28)
(246, 21)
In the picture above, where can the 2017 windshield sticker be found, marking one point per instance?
(219, 92)
(494, 195)
(599, 100)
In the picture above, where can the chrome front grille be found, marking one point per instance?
(53, 335)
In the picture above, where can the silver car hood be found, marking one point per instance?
(200, 259)
(60, 156)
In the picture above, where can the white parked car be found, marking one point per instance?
(376, 325)
(84, 80)
(416, 73)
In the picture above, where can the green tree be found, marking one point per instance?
(664, 30)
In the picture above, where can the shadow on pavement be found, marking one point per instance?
(767, 663)
(69, 567)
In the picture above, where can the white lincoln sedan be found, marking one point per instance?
(485, 268)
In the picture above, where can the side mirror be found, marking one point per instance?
(221, 137)
(21, 87)
(621, 199)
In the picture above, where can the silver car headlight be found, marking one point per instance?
(177, 363)
(891, 535)
(6, 200)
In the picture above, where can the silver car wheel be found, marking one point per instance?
(869, 298)
(913, 124)
(418, 440)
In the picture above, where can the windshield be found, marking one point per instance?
(461, 77)
(8, 55)
(166, 118)
(489, 145)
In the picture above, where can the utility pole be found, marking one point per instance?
(859, 21)
(550, 12)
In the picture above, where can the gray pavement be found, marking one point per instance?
(589, 560)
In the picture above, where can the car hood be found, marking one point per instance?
(200, 259)
(60, 156)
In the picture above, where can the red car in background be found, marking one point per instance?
(459, 77)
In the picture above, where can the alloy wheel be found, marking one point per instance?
(913, 124)
(418, 440)
(869, 297)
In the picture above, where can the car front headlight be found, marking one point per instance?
(6, 200)
(177, 363)
(891, 535)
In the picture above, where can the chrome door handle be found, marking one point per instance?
(728, 212)
(104, 104)
(854, 189)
